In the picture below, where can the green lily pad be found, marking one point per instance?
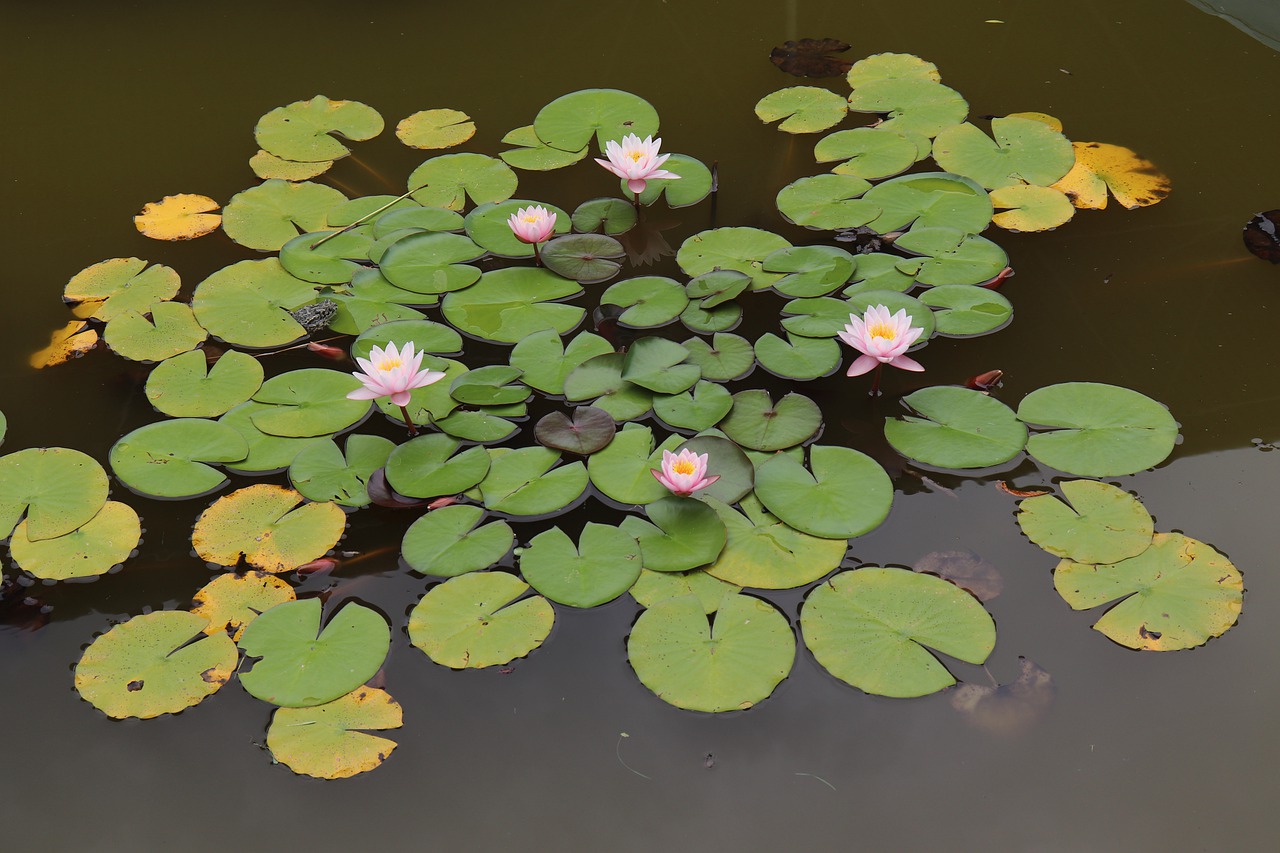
(848, 493)
(827, 202)
(430, 129)
(956, 428)
(611, 216)
(171, 329)
(186, 386)
(756, 422)
(1102, 524)
(728, 665)
(1023, 150)
(425, 336)
(432, 262)
(891, 66)
(928, 200)
(168, 459)
(333, 261)
(482, 426)
(814, 270)
(819, 316)
(702, 406)
(111, 287)
(487, 226)
(878, 271)
(547, 361)
(867, 152)
(231, 601)
(321, 471)
(728, 462)
(449, 180)
(1106, 431)
(571, 121)
(798, 357)
(429, 466)
(589, 431)
(450, 541)
(585, 258)
(267, 166)
(106, 540)
(600, 379)
(493, 385)
(804, 109)
(304, 130)
(148, 666)
(248, 304)
(527, 482)
(260, 524)
(659, 365)
(1025, 207)
(268, 216)
(1177, 594)
(301, 665)
(604, 565)
(653, 587)
(766, 553)
(721, 318)
(624, 470)
(725, 358)
(649, 300)
(308, 402)
(532, 154)
(967, 310)
(693, 185)
(414, 217)
(364, 209)
(508, 305)
(474, 621)
(914, 104)
(717, 287)
(741, 249)
(266, 452)
(872, 628)
(332, 741)
(951, 256)
(366, 304)
(684, 534)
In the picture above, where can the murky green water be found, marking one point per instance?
(111, 106)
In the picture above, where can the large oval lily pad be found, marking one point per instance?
(307, 402)
(430, 466)
(271, 214)
(827, 202)
(168, 459)
(848, 493)
(304, 130)
(930, 199)
(1102, 524)
(571, 121)
(474, 621)
(507, 305)
(867, 152)
(965, 309)
(1024, 150)
(766, 553)
(741, 249)
(956, 428)
(450, 541)
(249, 304)
(757, 423)
(803, 109)
(1106, 431)
(449, 180)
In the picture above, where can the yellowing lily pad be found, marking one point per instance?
(148, 666)
(331, 741)
(179, 217)
(169, 328)
(112, 287)
(261, 524)
(474, 621)
(1134, 181)
(1025, 207)
(305, 130)
(764, 552)
(58, 489)
(267, 166)
(436, 129)
(231, 601)
(106, 540)
(71, 341)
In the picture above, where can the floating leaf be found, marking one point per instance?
(624, 470)
(848, 493)
(320, 472)
(266, 452)
(487, 226)
(891, 66)
(872, 628)
(1009, 709)
(694, 183)
(757, 423)
(810, 57)
(450, 541)
(952, 256)
(685, 534)
(112, 287)
(1023, 150)
(508, 305)
(867, 152)
(604, 565)
(304, 130)
(449, 180)
(827, 202)
(527, 482)
(1177, 594)
(271, 214)
(171, 329)
(323, 258)
(1031, 208)
(148, 666)
(250, 303)
(414, 217)
(1134, 181)
(815, 270)
(804, 109)
(231, 601)
(547, 361)
(432, 262)
(307, 402)
(493, 385)
(570, 121)
(878, 271)
(534, 154)
(71, 341)
(649, 301)
(725, 358)
(260, 523)
(585, 258)
(178, 217)
(609, 215)
(966, 309)
(474, 621)
(718, 286)
(928, 200)
(658, 365)
(429, 466)
(106, 540)
(301, 665)
(267, 166)
(1103, 524)
(653, 587)
(914, 104)
(330, 741)
(956, 428)
(1107, 431)
(701, 407)
(425, 335)
(186, 386)
(168, 459)
(764, 552)
(589, 431)
(600, 379)
(722, 318)
(966, 570)
(798, 357)
(741, 249)
(435, 129)
(728, 665)
(823, 316)
(1260, 236)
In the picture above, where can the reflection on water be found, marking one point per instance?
(1260, 19)
(1161, 300)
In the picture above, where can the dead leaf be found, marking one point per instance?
(179, 217)
(966, 570)
(1262, 236)
(1099, 167)
(71, 341)
(1010, 709)
(809, 58)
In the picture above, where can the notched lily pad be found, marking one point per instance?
(306, 130)
(1099, 167)
(58, 490)
(260, 524)
(435, 129)
(1105, 430)
(478, 620)
(1103, 524)
(179, 217)
(106, 540)
(956, 428)
(803, 109)
(588, 431)
(331, 741)
(231, 601)
(111, 287)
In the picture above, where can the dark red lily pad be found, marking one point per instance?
(1262, 236)
(590, 430)
(811, 58)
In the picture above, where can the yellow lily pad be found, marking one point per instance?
(436, 129)
(230, 602)
(113, 286)
(267, 166)
(71, 341)
(106, 540)
(261, 524)
(330, 741)
(1099, 167)
(184, 216)
(1026, 207)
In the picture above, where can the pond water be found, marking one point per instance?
(110, 107)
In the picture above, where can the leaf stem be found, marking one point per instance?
(362, 219)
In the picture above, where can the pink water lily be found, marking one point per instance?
(636, 161)
(393, 373)
(533, 224)
(882, 339)
(684, 473)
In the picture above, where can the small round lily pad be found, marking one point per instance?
(479, 619)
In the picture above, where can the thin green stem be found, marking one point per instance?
(362, 219)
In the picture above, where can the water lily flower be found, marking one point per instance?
(684, 473)
(532, 224)
(393, 373)
(882, 339)
(636, 161)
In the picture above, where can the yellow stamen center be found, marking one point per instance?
(530, 218)
(683, 467)
(882, 330)
(389, 364)
(635, 156)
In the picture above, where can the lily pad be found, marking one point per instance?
(966, 309)
(321, 471)
(333, 261)
(492, 385)
(414, 217)
(508, 305)
(694, 183)
(729, 665)
(307, 402)
(547, 361)
(741, 249)
(685, 534)
(112, 287)
(425, 335)
(827, 202)
(659, 365)
(757, 423)
(913, 104)
(449, 180)
(928, 200)
(600, 379)
(602, 566)
(184, 216)
(429, 466)
(451, 541)
(804, 109)
(301, 665)
(653, 587)
(649, 300)
(585, 258)
(725, 358)
(879, 271)
(798, 357)
(1024, 150)
(148, 666)
(435, 129)
(106, 540)
(848, 493)
(1102, 524)
(186, 386)
(702, 406)
(951, 256)
(432, 262)
(815, 270)
(266, 452)
(71, 341)
(474, 621)
(260, 524)
(268, 216)
(527, 482)
(867, 152)
(249, 304)
(231, 601)
(819, 317)
(171, 329)
(168, 459)
(873, 628)
(331, 741)
(956, 428)
(725, 460)
(1031, 208)
(589, 431)
(267, 166)
(304, 130)
(721, 318)
(766, 553)
(571, 121)
(1177, 594)
(1134, 181)
(891, 66)
(717, 287)
(1106, 431)
(611, 216)
(487, 226)
(624, 470)
(533, 154)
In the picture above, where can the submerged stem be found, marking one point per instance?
(413, 430)
(875, 380)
